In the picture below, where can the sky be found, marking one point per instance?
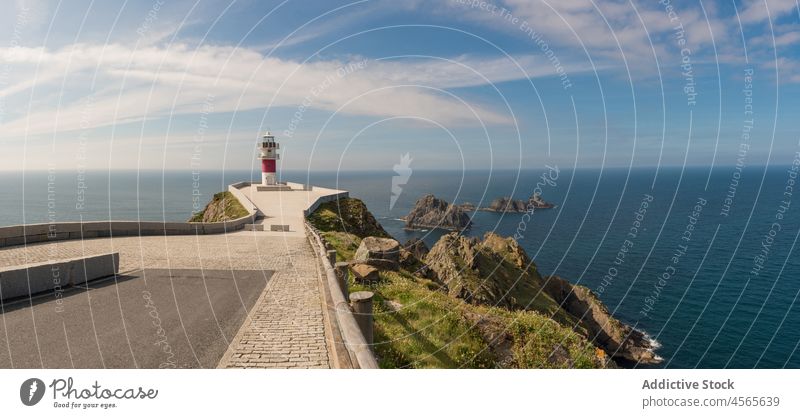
(452, 84)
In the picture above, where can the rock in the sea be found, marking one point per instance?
(431, 212)
(619, 340)
(467, 206)
(364, 273)
(507, 204)
(380, 252)
(537, 202)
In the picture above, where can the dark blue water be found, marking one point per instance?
(729, 289)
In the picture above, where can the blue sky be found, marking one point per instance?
(455, 83)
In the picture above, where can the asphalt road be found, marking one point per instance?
(147, 319)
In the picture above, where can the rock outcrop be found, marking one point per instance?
(539, 203)
(618, 339)
(507, 204)
(467, 206)
(347, 215)
(415, 248)
(223, 207)
(364, 273)
(376, 247)
(496, 271)
(431, 212)
(412, 256)
(379, 252)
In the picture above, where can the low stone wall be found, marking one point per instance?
(300, 186)
(337, 194)
(33, 233)
(29, 279)
(248, 204)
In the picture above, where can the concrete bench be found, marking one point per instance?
(253, 227)
(18, 281)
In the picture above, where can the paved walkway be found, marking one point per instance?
(286, 329)
(286, 326)
(240, 250)
(285, 208)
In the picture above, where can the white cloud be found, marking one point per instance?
(781, 40)
(614, 33)
(131, 84)
(760, 10)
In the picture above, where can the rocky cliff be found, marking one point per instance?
(432, 212)
(223, 207)
(514, 317)
(622, 340)
(347, 215)
(412, 254)
(496, 271)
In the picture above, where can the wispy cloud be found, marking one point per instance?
(128, 84)
(761, 10)
(606, 29)
(634, 33)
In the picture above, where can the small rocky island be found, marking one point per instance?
(467, 206)
(509, 205)
(432, 212)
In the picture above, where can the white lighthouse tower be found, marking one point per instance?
(269, 156)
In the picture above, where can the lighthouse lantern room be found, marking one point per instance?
(269, 156)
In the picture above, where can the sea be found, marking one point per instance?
(701, 259)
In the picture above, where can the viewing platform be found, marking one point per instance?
(282, 208)
(250, 292)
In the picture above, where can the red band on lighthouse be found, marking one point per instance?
(267, 166)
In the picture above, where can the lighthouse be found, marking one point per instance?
(269, 156)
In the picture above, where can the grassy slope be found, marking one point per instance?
(347, 215)
(428, 331)
(232, 209)
(434, 330)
